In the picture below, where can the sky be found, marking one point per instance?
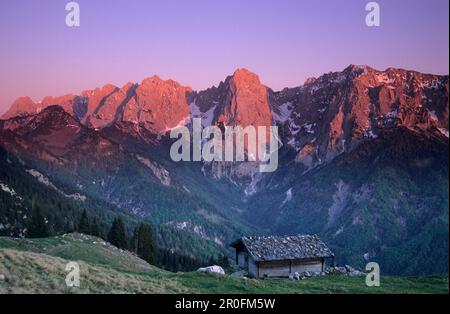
(200, 42)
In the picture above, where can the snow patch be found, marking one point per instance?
(340, 200)
(288, 197)
(443, 131)
(339, 231)
(433, 115)
(188, 226)
(180, 124)
(308, 128)
(339, 78)
(368, 133)
(195, 110)
(294, 143)
(251, 187)
(9, 190)
(207, 117)
(284, 112)
(391, 115)
(383, 78)
(159, 171)
(41, 178)
(46, 181)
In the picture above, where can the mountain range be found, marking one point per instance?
(363, 163)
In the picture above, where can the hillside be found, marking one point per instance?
(37, 265)
(21, 186)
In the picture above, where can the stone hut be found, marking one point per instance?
(276, 256)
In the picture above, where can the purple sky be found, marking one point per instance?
(200, 42)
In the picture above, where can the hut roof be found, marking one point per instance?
(274, 248)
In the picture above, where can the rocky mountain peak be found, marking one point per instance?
(242, 75)
(338, 110)
(158, 104)
(358, 68)
(113, 106)
(310, 80)
(21, 106)
(327, 113)
(94, 99)
(53, 117)
(245, 101)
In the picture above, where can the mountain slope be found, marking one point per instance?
(57, 150)
(22, 187)
(363, 161)
(333, 113)
(386, 200)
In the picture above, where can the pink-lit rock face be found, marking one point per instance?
(156, 104)
(240, 100)
(246, 101)
(112, 108)
(66, 102)
(95, 100)
(22, 106)
(159, 105)
(332, 112)
(336, 111)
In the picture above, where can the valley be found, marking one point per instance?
(362, 162)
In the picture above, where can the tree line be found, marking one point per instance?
(141, 242)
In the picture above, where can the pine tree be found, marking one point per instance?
(135, 240)
(224, 261)
(37, 227)
(144, 245)
(95, 228)
(117, 235)
(83, 225)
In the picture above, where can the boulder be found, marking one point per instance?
(307, 274)
(348, 268)
(296, 276)
(212, 269)
(357, 273)
(340, 271)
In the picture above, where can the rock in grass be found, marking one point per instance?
(212, 269)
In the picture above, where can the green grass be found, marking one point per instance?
(38, 266)
(76, 247)
(204, 283)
